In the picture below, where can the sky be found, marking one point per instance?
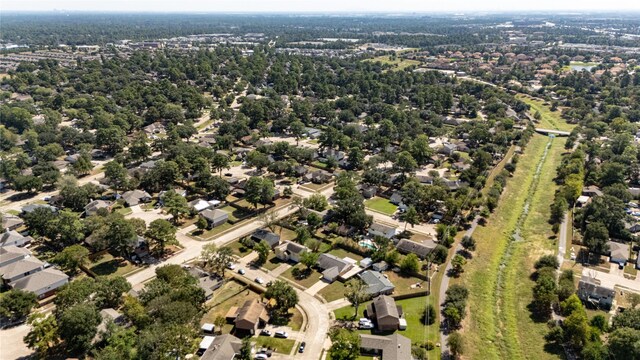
(287, 6)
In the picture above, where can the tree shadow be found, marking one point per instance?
(536, 315)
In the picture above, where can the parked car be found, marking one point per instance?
(302, 346)
(261, 357)
(241, 271)
(366, 326)
(260, 281)
(231, 266)
(281, 334)
(265, 332)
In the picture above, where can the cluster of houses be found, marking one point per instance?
(19, 269)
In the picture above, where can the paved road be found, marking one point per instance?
(612, 280)
(444, 285)
(562, 238)
(315, 333)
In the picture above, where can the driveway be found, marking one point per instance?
(11, 344)
(612, 280)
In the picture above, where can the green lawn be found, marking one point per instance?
(109, 265)
(124, 211)
(332, 292)
(216, 230)
(498, 323)
(236, 214)
(550, 119)
(239, 249)
(381, 205)
(272, 262)
(282, 346)
(341, 253)
(304, 282)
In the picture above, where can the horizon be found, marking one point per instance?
(326, 7)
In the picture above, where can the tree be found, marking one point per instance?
(302, 234)
(139, 150)
(109, 291)
(468, 243)
(218, 188)
(71, 258)
(428, 315)
(623, 344)
(259, 190)
(410, 264)
(405, 163)
(547, 261)
(258, 160)
(216, 259)
(544, 294)
(596, 237)
(219, 323)
(175, 204)
(576, 328)
(317, 202)
(356, 293)
(201, 223)
(345, 344)
(455, 342)
(83, 164)
(16, 304)
(161, 233)
(78, 325)
(262, 248)
(245, 350)
(120, 343)
(309, 259)
(116, 174)
(439, 254)
(297, 130)
(219, 162)
(629, 318)
(284, 295)
(457, 263)
(410, 216)
(43, 335)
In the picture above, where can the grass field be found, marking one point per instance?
(398, 63)
(306, 282)
(499, 324)
(282, 346)
(107, 265)
(333, 291)
(381, 205)
(550, 119)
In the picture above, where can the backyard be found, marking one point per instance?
(412, 309)
(305, 281)
(381, 205)
(282, 346)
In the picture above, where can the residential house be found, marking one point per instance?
(11, 222)
(368, 191)
(43, 283)
(591, 191)
(223, 347)
(95, 205)
(142, 169)
(154, 129)
(215, 217)
(590, 290)
(423, 249)
(385, 313)
(201, 204)
(251, 316)
(618, 252)
(390, 347)
(333, 266)
(460, 166)
(12, 237)
(333, 153)
(300, 170)
(290, 251)
(377, 283)
(379, 229)
(582, 200)
(318, 177)
(448, 149)
(208, 283)
(313, 133)
(266, 235)
(135, 197)
(396, 198)
(453, 185)
(345, 230)
(10, 254)
(19, 269)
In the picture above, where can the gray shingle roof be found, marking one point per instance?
(40, 280)
(393, 347)
(17, 268)
(376, 282)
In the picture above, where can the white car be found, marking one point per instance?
(259, 280)
(281, 334)
(241, 271)
(231, 266)
(365, 325)
(261, 357)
